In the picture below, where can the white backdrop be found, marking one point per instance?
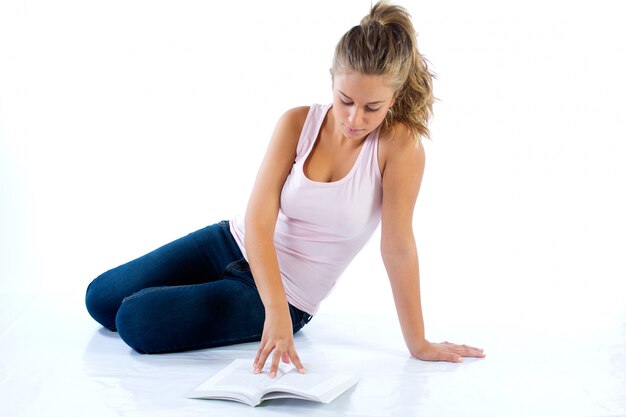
(126, 124)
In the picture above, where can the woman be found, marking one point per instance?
(330, 175)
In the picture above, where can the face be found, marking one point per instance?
(360, 102)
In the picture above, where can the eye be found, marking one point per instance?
(367, 108)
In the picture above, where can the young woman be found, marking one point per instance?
(331, 174)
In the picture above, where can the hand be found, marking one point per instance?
(448, 352)
(278, 338)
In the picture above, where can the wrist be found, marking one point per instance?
(418, 346)
(276, 309)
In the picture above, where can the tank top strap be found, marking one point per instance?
(310, 129)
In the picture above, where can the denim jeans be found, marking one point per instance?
(196, 292)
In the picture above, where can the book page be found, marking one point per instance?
(295, 385)
(311, 385)
(240, 377)
(238, 382)
(303, 382)
(243, 377)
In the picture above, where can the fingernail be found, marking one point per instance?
(460, 359)
(302, 370)
(257, 370)
(272, 374)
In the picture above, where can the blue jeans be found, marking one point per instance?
(194, 293)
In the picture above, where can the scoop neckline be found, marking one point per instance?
(350, 173)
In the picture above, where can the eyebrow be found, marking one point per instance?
(372, 102)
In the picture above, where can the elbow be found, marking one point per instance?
(259, 222)
(259, 233)
(398, 247)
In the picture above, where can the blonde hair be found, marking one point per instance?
(385, 44)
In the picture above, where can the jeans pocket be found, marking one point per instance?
(240, 271)
(240, 265)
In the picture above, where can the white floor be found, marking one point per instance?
(55, 361)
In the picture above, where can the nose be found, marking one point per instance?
(354, 116)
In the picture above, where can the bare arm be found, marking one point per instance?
(260, 222)
(402, 177)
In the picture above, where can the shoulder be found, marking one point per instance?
(284, 140)
(288, 129)
(398, 148)
(295, 117)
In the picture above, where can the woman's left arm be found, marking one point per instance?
(403, 169)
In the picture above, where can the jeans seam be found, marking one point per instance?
(145, 291)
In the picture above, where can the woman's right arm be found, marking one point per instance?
(260, 222)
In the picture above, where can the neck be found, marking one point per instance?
(336, 134)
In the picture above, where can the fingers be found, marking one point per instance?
(287, 355)
(263, 354)
(448, 352)
(259, 360)
(275, 361)
(455, 353)
(446, 356)
(295, 359)
(469, 351)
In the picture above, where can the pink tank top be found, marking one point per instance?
(321, 226)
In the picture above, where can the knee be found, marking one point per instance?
(136, 322)
(101, 303)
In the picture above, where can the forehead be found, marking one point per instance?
(361, 87)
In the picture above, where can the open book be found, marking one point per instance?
(237, 382)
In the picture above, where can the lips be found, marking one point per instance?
(352, 132)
